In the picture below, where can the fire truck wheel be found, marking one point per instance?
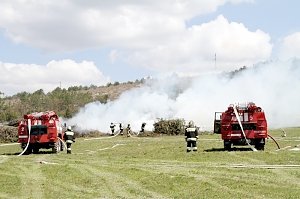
(227, 145)
(57, 147)
(260, 147)
(61, 146)
(28, 150)
(260, 144)
(35, 149)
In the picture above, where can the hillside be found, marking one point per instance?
(65, 102)
(112, 91)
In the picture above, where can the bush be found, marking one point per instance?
(169, 127)
(8, 134)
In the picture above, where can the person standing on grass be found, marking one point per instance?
(112, 128)
(69, 139)
(143, 127)
(121, 128)
(191, 137)
(128, 130)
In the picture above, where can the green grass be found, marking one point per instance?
(159, 167)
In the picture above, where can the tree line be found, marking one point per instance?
(65, 102)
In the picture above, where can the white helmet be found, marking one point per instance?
(69, 128)
(191, 124)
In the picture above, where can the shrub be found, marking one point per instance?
(169, 127)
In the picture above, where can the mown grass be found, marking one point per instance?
(157, 167)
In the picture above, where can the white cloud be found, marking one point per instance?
(194, 49)
(31, 77)
(150, 34)
(69, 25)
(290, 46)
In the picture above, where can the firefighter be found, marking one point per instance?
(121, 128)
(112, 128)
(143, 127)
(191, 137)
(69, 138)
(283, 133)
(128, 130)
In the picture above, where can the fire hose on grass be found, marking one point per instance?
(103, 137)
(28, 140)
(64, 143)
(274, 141)
(238, 119)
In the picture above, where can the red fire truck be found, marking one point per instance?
(242, 124)
(40, 130)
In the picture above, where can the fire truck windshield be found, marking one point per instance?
(38, 130)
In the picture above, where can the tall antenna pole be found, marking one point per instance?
(215, 60)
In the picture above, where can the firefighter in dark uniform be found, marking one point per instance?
(128, 130)
(112, 128)
(121, 128)
(191, 137)
(69, 138)
(143, 127)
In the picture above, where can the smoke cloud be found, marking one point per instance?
(274, 86)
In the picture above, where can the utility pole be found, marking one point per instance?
(215, 60)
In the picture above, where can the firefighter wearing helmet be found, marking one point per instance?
(112, 128)
(128, 130)
(191, 137)
(121, 128)
(143, 127)
(69, 138)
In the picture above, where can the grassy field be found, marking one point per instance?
(154, 167)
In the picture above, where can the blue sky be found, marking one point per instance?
(276, 17)
(45, 43)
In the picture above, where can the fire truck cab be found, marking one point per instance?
(253, 123)
(40, 130)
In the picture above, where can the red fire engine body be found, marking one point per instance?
(45, 131)
(253, 122)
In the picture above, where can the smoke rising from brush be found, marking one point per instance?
(274, 86)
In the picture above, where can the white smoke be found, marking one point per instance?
(274, 86)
